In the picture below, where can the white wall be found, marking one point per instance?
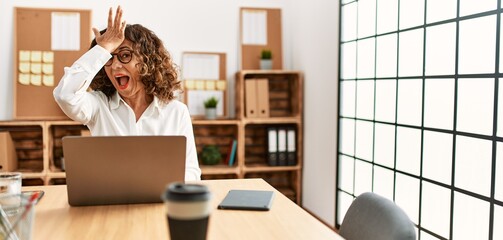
(309, 44)
(315, 53)
(212, 26)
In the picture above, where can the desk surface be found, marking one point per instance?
(55, 219)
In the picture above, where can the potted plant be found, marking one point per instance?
(211, 155)
(266, 59)
(210, 107)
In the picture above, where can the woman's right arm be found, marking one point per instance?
(71, 93)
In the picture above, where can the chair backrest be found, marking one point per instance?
(371, 216)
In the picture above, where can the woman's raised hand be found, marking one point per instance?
(114, 35)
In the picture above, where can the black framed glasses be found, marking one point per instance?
(124, 56)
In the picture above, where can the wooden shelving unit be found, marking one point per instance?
(286, 102)
(39, 148)
(285, 110)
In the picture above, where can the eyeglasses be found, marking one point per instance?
(124, 56)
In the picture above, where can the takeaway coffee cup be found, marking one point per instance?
(187, 210)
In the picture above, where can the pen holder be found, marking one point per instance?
(16, 221)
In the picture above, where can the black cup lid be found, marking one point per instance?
(178, 192)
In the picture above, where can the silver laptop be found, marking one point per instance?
(121, 169)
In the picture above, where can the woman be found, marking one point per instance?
(134, 82)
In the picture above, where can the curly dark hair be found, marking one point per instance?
(157, 71)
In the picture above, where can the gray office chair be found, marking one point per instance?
(372, 217)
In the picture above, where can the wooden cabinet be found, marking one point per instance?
(39, 149)
(285, 100)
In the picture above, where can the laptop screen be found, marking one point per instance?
(106, 170)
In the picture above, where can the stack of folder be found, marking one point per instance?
(257, 97)
(281, 146)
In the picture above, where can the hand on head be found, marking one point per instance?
(114, 35)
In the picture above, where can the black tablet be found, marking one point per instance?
(247, 200)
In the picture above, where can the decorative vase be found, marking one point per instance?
(210, 113)
(266, 64)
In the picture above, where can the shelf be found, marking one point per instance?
(265, 168)
(215, 122)
(273, 120)
(30, 175)
(20, 123)
(267, 72)
(64, 122)
(53, 169)
(285, 94)
(56, 175)
(218, 170)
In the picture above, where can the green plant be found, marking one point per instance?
(211, 155)
(211, 102)
(266, 54)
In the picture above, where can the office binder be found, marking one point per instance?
(233, 152)
(272, 140)
(282, 147)
(262, 97)
(251, 98)
(290, 149)
(229, 153)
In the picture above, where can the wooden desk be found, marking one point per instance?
(55, 219)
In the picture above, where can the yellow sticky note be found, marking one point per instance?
(48, 80)
(36, 56)
(221, 85)
(36, 79)
(47, 68)
(189, 84)
(36, 68)
(210, 85)
(24, 56)
(24, 67)
(199, 84)
(48, 57)
(24, 78)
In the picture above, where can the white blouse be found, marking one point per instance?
(113, 117)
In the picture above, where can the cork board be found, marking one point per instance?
(251, 50)
(204, 75)
(39, 60)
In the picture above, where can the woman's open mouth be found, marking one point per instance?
(123, 81)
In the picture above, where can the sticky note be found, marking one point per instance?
(48, 80)
(210, 85)
(24, 56)
(24, 67)
(48, 57)
(199, 84)
(36, 79)
(36, 56)
(189, 84)
(24, 78)
(47, 68)
(221, 85)
(36, 68)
